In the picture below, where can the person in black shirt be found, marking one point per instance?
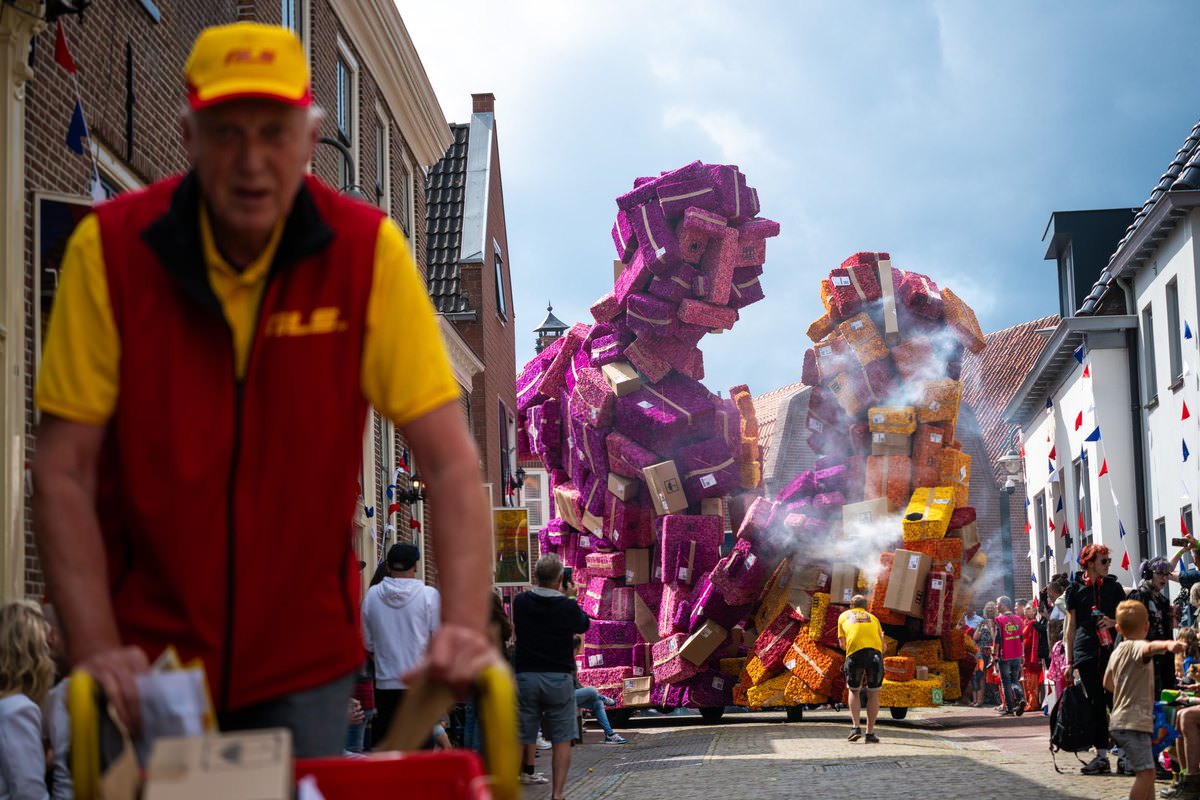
(1088, 639)
(546, 621)
(1151, 593)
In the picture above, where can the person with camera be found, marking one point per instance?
(1151, 592)
(1088, 639)
(546, 619)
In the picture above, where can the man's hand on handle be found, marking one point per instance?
(456, 657)
(116, 670)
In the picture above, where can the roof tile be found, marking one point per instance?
(443, 224)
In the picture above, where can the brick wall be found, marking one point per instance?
(99, 47)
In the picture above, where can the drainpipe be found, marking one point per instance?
(1006, 543)
(1135, 411)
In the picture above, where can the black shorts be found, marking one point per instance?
(864, 669)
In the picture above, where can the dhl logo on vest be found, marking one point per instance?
(292, 323)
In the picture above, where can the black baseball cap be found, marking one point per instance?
(403, 556)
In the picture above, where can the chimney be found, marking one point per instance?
(483, 103)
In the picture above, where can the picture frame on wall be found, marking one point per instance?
(510, 547)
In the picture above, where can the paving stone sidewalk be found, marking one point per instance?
(948, 752)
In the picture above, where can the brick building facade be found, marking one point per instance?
(377, 101)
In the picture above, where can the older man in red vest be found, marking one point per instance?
(216, 342)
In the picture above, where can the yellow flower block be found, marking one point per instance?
(954, 644)
(907, 694)
(758, 673)
(739, 696)
(960, 318)
(899, 668)
(890, 646)
(814, 664)
(946, 554)
(954, 470)
(892, 420)
(797, 693)
(821, 328)
(928, 513)
(750, 474)
(951, 685)
(769, 693)
(749, 450)
(816, 618)
(826, 294)
(732, 667)
(940, 403)
(863, 337)
(925, 652)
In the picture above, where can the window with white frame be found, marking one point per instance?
(1044, 563)
(346, 111)
(1083, 486)
(1173, 330)
(292, 16)
(501, 291)
(1160, 537)
(535, 496)
(383, 161)
(1149, 368)
(404, 189)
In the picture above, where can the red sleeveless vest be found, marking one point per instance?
(226, 505)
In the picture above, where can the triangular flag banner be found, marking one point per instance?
(1034, 577)
(391, 489)
(1103, 468)
(1028, 526)
(77, 130)
(61, 54)
(1125, 560)
(1049, 404)
(1059, 507)
(393, 508)
(1082, 453)
(1187, 330)
(370, 511)
(1185, 451)
(1051, 526)
(1121, 528)
(1066, 533)
(1186, 413)
(1183, 529)
(1049, 553)
(1087, 371)
(1094, 436)
(1079, 420)
(1079, 354)
(1081, 525)
(1053, 450)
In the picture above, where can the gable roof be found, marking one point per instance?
(992, 378)
(444, 201)
(1157, 216)
(767, 408)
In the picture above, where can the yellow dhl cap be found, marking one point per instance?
(247, 59)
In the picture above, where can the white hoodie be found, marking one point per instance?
(399, 615)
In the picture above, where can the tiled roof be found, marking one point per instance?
(443, 224)
(1183, 173)
(768, 408)
(991, 378)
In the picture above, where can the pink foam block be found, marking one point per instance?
(823, 405)
(607, 308)
(747, 201)
(832, 479)
(607, 655)
(756, 525)
(643, 659)
(650, 315)
(828, 504)
(607, 349)
(553, 379)
(605, 599)
(855, 286)
(920, 295)
(628, 458)
(635, 277)
(530, 379)
(709, 689)
(707, 468)
(803, 485)
(709, 604)
(740, 576)
(776, 639)
(673, 351)
(663, 417)
(647, 188)
(647, 360)
(623, 236)
(746, 288)
(693, 366)
(610, 681)
(717, 265)
(545, 428)
(728, 423)
(579, 362)
(651, 594)
(688, 545)
(809, 374)
(757, 229)
(709, 315)
(806, 527)
(603, 631)
(657, 243)
(627, 523)
(713, 191)
(669, 665)
(697, 228)
(674, 595)
(593, 398)
(674, 285)
(594, 492)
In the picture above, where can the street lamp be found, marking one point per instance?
(415, 492)
(353, 189)
(1011, 465)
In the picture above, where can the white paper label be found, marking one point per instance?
(707, 481)
(791, 664)
(585, 541)
(595, 660)
(646, 404)
(751, 560)
(936, 583)
(841, 280)
(845, 595)
(940, 501)
(962, 474)
(638, 671)
(823, 578)
(718, 683)
(660, 252)
(878, 437)
(934, 405)
(825, 351)
(672, 645)
(914, 562)
(629, 576)
(936, 438)
(856, 325)
(816, 425)
(878, 418)
(683, 574)
(629, 685)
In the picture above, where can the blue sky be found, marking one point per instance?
(943, 132)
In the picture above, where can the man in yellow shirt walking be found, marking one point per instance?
(861, 636)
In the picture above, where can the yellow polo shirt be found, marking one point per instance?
(860, 629)
(405, 373)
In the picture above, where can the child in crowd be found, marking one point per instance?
(1130, 677)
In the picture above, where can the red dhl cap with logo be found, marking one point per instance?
(247, 59)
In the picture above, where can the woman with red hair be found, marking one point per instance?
(1088, 639)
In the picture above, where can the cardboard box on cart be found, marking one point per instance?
(844, 583)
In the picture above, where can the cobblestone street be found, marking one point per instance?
(953, 752)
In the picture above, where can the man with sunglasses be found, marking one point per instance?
(1088, 639)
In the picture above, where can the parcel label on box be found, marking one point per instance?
(622, 488)
(636, 691)
(246, 765)
(637, 566)
(906, 585)
(844, 583)
(622, 377)
(703, 643)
